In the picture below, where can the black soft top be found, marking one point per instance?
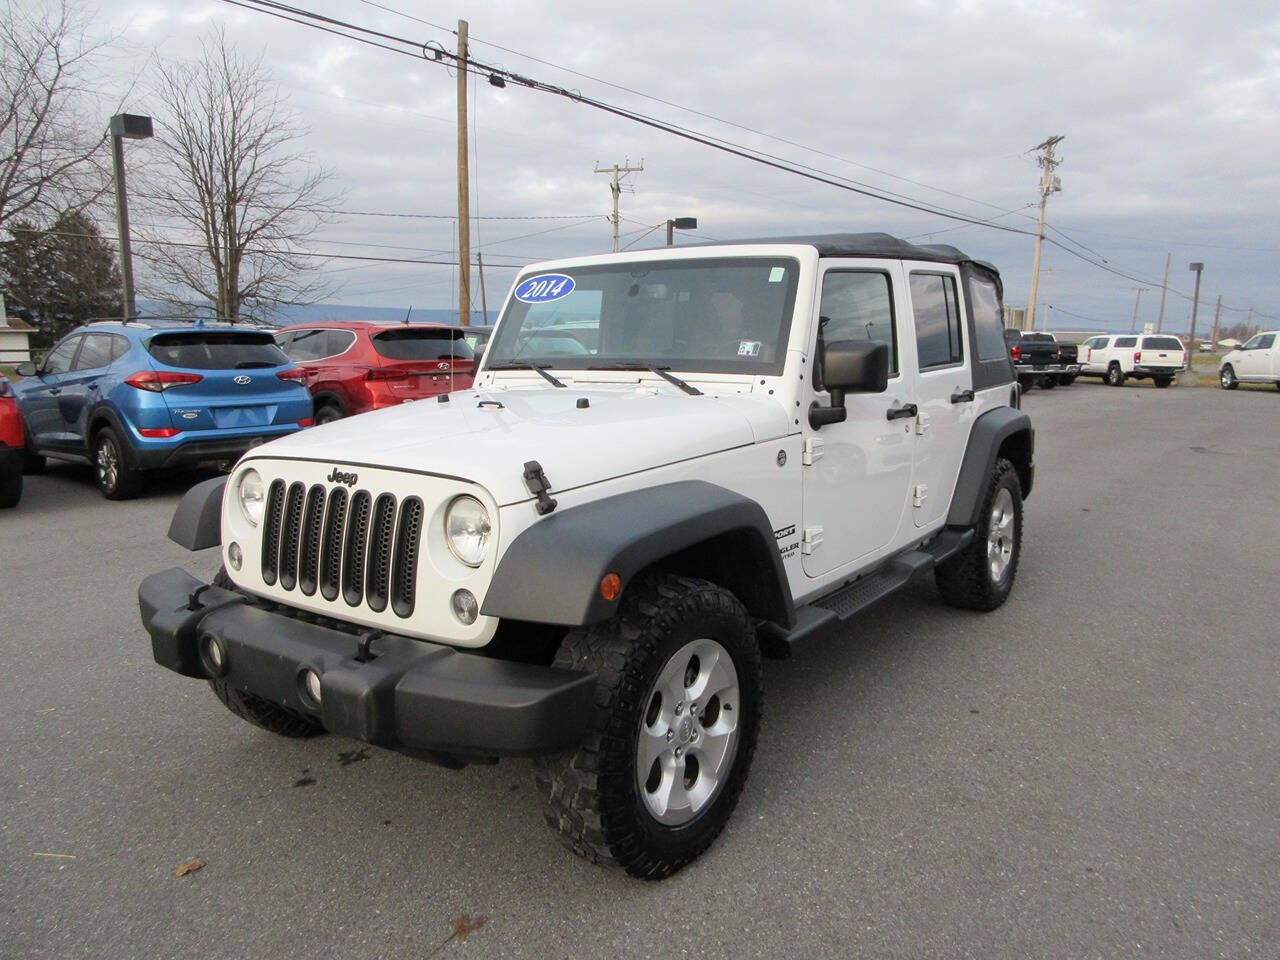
(867, 245)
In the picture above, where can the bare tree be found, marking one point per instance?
(229, 171)
(48, 146)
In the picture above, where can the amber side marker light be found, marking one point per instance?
(611, 586)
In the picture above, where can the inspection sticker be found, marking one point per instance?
(748, 348)
(544, 288)
(776, 274)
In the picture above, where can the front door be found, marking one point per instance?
(40, 395)
(944, 387)
(857, 474)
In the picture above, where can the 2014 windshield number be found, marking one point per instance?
(541, 289)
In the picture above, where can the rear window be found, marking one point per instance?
(215, 350)
(1161, 343)
(411, 344)
(1038, 338)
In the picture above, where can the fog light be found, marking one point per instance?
(214, 657)
(234, 556)
(311, 686)
(465, 607)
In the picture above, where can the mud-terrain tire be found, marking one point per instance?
(657, 649)
(980, 577)
(1228, 378)
(253, 709)
(1115, 376)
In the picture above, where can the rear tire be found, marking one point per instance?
(10, 489)
(1115, 376)
(328, 412)
(1228, 378)
(1162, 382)
(116, 478)
(674, 639)
(980, 577)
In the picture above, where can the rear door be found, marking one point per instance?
(420, 361)
(238, 388)
(1121, 351)
(944, 387)
(81, 388)
(1161, 352)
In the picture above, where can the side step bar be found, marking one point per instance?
(854, 597)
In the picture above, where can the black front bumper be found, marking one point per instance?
(409, 695)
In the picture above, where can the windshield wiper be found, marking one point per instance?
(539, 368)
(675, 381)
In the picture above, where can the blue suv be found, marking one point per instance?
(140, 396)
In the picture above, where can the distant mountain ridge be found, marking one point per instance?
(319, 312)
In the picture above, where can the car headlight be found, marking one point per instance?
(253, 496)
(466, 529)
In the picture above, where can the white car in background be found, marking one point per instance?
(1119, 358)
(1258, 361)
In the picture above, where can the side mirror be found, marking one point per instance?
(25, 369)
(850, 366)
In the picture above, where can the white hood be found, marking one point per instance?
(623, 430)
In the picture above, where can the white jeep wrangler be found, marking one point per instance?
(672, 463)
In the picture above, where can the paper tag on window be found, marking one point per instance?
(748, 348)
(776, 274)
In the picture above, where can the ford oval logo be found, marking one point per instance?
(242, 379)
(544, 288)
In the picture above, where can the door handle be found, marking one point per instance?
(962, 396)
(899, 413)
(93, 385)
(54, 391)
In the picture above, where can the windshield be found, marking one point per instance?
(429, 344)
(216, 350)
(730, 315)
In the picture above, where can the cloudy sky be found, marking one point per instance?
(1170, 113)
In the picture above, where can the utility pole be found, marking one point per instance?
(1164, 290)
(1133, 327)
(1048, 307)
(1048, 184)
(1187, 377)
(484, 304)
(1217, 315)
(132, 127)
(1248, 324)
(615, 187)
(464, 186)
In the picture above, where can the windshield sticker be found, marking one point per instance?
(748, 348)
(544, 288)
(777, 274)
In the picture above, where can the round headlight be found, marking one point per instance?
(253, 496)
(466, 528)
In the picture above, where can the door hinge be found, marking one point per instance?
(812, 451)
(921, 495)
(922, 424)
(811, 540)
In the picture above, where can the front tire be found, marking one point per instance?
(1115, 376)
(10, 489)
(32, 462)
(664, 759)
(116, 478)
(1228, 378)
(980, 577)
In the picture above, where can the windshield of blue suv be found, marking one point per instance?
(216, 350)
(722, 315)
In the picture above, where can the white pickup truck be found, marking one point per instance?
(1257, 361)
(1119, 358)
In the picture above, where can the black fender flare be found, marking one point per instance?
(551, 572)
(990, 431)
(197, 523)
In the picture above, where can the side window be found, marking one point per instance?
(59, 359)
(986, 319)
(1123, 343)
(1267, 342)
(119, 347)
(306, 345)
(857, 305)
(937, 314)
(95, 353)
(337, 342)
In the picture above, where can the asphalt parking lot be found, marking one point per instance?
(1090, 771)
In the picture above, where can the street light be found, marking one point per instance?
(1187, 377)
(680, 223)
(130, 126)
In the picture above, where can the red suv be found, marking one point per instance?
(356, 366)
(12, 446)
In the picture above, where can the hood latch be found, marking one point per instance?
(538, 485)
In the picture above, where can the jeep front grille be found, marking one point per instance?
(359, 546)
